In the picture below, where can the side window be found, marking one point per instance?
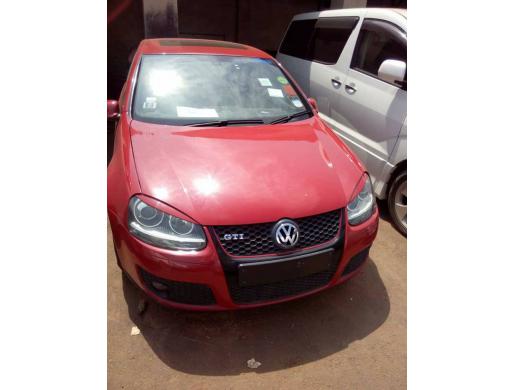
(319, 40)
(378, 41)
(330, 37)
(297, 37)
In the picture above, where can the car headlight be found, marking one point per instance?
(362, 206)
(160, 229)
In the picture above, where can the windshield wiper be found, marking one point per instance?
(227, 123)
(288, 118)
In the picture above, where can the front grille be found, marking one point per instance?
(180, 292)
(278, 290)
(258, 240)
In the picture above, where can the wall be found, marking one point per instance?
(160, 18)
(368, 3)
(256, 23)
(124, 32)
(335, 4)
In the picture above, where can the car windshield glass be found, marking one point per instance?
(188, 89)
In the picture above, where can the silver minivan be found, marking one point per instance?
(353, 62)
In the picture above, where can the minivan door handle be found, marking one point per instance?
(350, 88)
(336, 82)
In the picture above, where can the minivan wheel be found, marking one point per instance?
(398, 202)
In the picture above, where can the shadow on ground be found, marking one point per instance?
(279, 336)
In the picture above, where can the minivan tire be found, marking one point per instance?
(397, 198)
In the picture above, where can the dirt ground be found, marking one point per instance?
(350, 337)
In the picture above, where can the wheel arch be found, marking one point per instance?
(401, 166)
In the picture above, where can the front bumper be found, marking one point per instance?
(208, 280)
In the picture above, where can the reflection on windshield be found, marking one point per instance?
(186, 89)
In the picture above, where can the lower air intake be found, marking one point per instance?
(180, 292)
(277, 290)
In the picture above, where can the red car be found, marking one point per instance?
(226, 190)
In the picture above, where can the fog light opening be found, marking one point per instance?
(159, 286)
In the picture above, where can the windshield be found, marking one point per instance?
(188, 89)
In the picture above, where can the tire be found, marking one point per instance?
(398, 202)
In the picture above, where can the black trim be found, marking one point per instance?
(356, 261)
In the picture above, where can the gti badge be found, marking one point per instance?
(286, 233)
(234, 236)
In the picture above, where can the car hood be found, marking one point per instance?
(245, 174)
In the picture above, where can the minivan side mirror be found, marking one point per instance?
(113, 110)
(313, 104)
(392, 71)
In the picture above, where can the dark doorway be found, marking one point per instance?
(125, 30)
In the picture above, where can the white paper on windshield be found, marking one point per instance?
(274, 92)
(265, 82)
(296, 102)
(193, 112)
(150, 103)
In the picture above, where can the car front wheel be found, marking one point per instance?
(398, 202)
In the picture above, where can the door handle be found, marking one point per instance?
(350, 88)
(336, 82)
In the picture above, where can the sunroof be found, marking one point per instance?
(200, 42)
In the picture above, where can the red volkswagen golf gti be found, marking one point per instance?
(226, 190)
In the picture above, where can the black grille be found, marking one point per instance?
(271, 291)
(314, 230)
(180, 292)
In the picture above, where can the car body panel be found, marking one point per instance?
(272, 171)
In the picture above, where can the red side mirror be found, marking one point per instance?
(113, 110)
(313, 103)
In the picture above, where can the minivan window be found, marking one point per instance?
(321, 40)
(378, 41)
(297, 38)
(329, 38)
(191, 89)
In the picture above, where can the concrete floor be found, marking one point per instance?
(350, 337)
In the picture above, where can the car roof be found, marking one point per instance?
(351, 12)
(198, 46)
(401, 11)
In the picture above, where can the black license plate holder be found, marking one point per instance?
(271, 271)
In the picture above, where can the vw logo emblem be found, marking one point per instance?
(286, 233)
